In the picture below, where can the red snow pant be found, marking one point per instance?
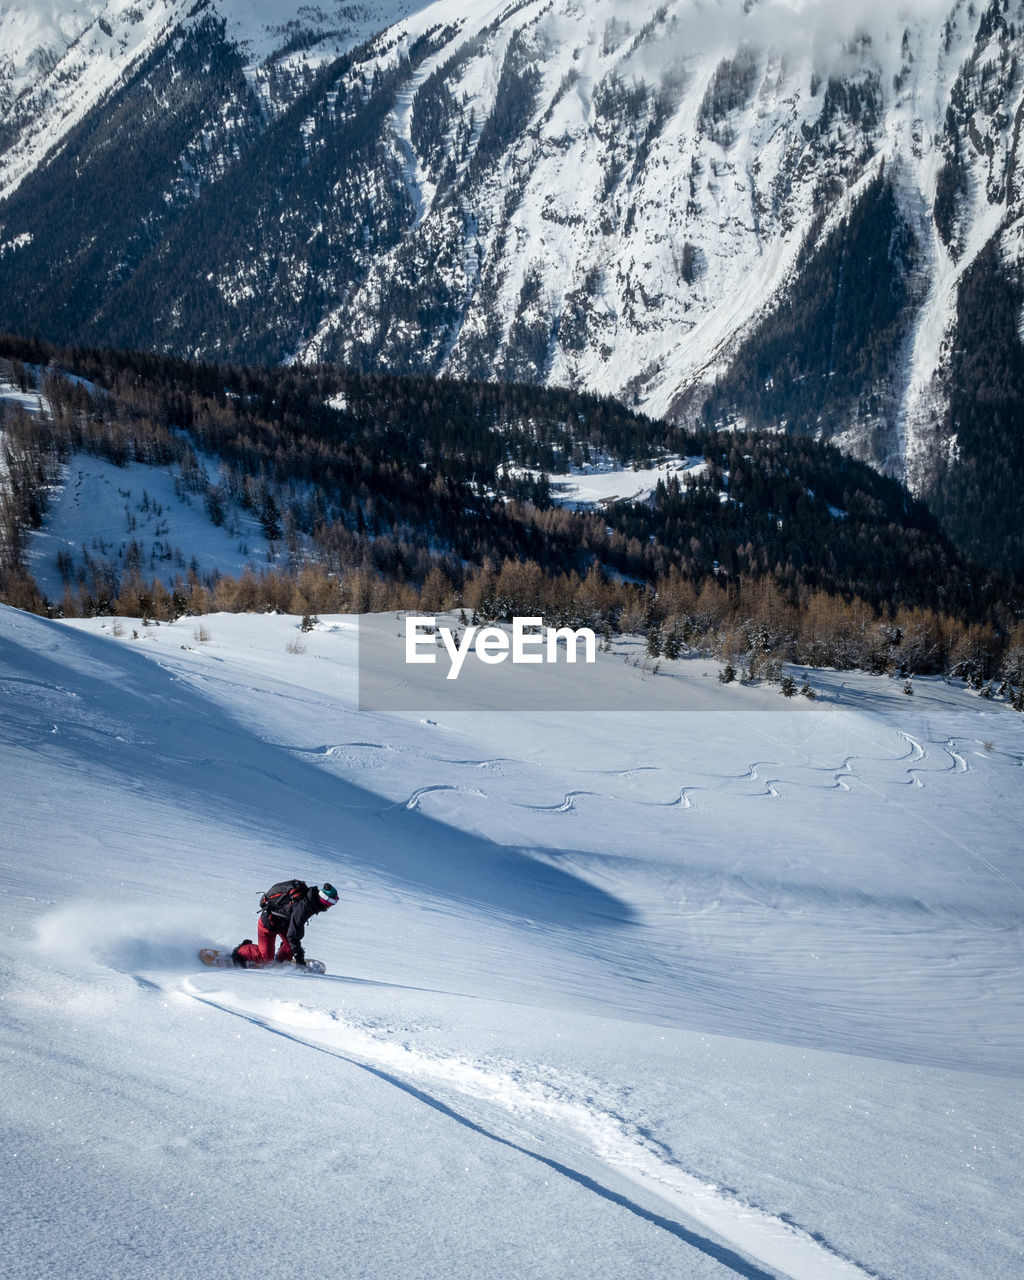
(262, 951)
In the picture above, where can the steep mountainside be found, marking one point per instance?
(756, 212)
(145, 486)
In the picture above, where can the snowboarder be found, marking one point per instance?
(286, 908)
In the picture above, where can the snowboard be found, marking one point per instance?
(222, 960)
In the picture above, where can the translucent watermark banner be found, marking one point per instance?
(437, 662)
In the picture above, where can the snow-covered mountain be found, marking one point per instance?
(705, 994)
(795, 201)
(59, 59)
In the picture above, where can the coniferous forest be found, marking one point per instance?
(806, 365)
(383, 492)
(976, 491)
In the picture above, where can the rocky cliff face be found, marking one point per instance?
(757, 212)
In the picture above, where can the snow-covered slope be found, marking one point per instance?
(711, 995)
(764, 212)
(106, 522)
(59, 59)
(111, 520)
(562, 192)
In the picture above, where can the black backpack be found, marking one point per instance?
(278, 899)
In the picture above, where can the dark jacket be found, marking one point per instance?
(291, 922)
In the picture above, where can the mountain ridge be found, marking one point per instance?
(545, 193)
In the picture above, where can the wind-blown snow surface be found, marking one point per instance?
(705, 995)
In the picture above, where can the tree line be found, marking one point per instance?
(380, 492)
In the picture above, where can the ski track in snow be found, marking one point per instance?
(360, 756)
(916, 760)
(414, 800)
(924, 820)
(370, 756)
(850, 1008)
(518, 1104)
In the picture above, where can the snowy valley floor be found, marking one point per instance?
(713, 994)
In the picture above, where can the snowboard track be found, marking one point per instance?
(827, 1263)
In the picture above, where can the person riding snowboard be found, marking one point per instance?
(286, 907)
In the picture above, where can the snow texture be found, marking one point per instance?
(711, 995)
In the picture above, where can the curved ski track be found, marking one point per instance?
(525, 1107)
(786, 781)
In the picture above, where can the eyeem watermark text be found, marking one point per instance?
(530, 642)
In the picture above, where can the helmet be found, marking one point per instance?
(328, 896)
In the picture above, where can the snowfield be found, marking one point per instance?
(707, 995)
(590, 486)
(115, 516)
